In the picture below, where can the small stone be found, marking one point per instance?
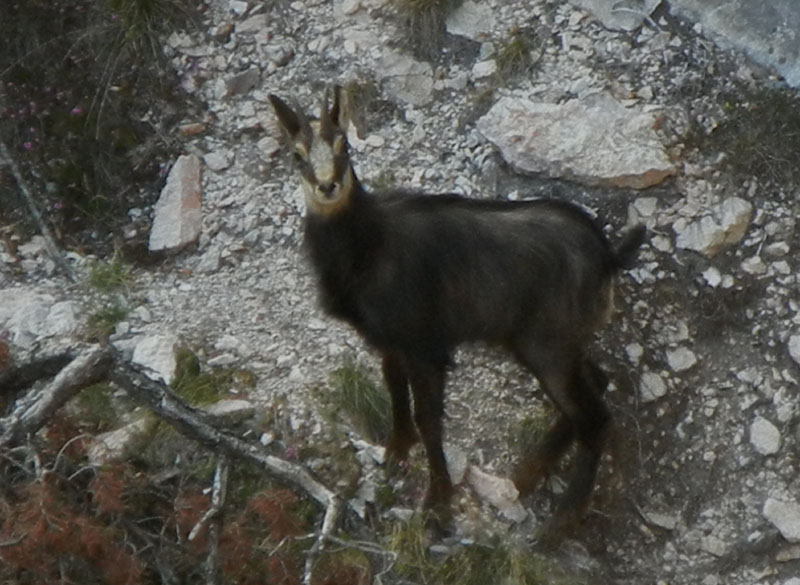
(405, 78)
(243, 82)
(754, 265)
(498, 491)
(664, 521)
(764, 436)
(268, 147)
(210, 260)
(483, 69)
(457, 463)
(472, 20)
(712, 276)
(651, 387)
(157, 354)
(111, 446)
(217, 161)
(713, 545)
(725, 226)
(253, 24)
(635, 352)
(785, 516)
(794, 348)
(178, 215)
(231, 412)
(350, 7)
(192, 129)
(681, 359)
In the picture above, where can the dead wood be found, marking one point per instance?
(34, 410)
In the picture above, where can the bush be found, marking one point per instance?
(78, 79)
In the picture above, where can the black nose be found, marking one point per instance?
(327, 189)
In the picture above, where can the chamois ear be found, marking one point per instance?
(286, 116)
(337, 112)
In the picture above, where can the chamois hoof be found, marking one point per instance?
(550, 536)
(528, 475)
(397, 449)
(439, 522)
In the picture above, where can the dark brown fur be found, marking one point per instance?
(418, 274)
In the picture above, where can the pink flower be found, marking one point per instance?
(27, 145)
(76, 111)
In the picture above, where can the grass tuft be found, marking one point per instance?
(110, 276)
(760, 134)
(515, 55)
(476, 564)
(424, 24)
(102, 322)
(362, 400)
(196, 386)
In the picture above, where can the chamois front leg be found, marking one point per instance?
(427, 384)
(403, 435)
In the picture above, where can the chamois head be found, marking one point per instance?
(320, 153)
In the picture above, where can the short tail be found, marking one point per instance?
(627, 251)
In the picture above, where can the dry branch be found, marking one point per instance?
(50, 243)
(194, 423)
(328, 526)
(213, 518)
(34, 410)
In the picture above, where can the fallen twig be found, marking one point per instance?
(328, 525)
(50, 243)
(193, 423)
(32, 411)
(213, 518)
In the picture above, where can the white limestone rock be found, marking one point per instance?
(472, 20)
(725, 225)
(29, 315)
(178, 217)
(765, 437)
(406, 78)
(785, 516)
(651, 387)
(498, 491)
(157, 354)
(596, 141)
(621, 15)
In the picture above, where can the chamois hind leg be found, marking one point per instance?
(403, 435)
(576, 386)
(535, 467)
(427, 384)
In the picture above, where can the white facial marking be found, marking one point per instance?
(321, 160)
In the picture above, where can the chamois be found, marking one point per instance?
(417, 274)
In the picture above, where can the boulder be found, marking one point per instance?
(597, 142)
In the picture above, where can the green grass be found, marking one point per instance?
(196, 386)
(110, 276)
(362, 400)
(103, 321)
(528, 432)
(95, 407)
(424, 24)
(497, 561)
(759, 134)
(515, 55)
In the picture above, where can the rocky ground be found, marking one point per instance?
(703, 351)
